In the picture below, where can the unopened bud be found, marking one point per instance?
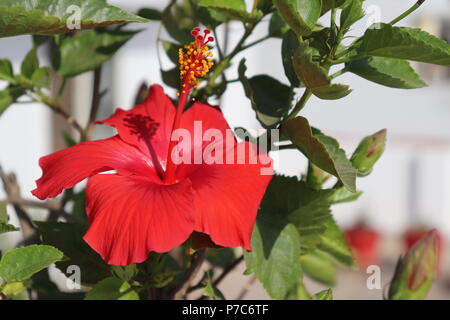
(416, 271)
(368, 152)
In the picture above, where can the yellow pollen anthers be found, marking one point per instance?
(195, 59)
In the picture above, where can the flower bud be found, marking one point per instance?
(416, 271)
(368, 152)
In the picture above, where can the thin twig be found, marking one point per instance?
(12, 190)
(198, 258)
(96, 98)
(38, 96)
(49, 205)
(224, 274)
(71, 121)
(227, 270)
(246, 288)
(407, 12)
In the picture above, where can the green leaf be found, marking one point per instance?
(288, 46)
(310, 215)
(21, 263)
(4, 225)
(68, 238)
(318, 266)
(288, 206)
(221, 257)
(171, 77)
(125, 273)
(338, 4)
(30, 64)
(13, 289)
(3, 214)
(8, 96)
(6, 71)
(314, 76)
(300, 15)
(270, 98)
(299, 291)
(323, 295)
(210, 290)
(340, 195)
(384, 40)
(277, 26)
(45, 17)
(321, 150)
(265, 6)
(275, 258)
(42, 78)
(171, 50)
(112, 289)
(88, 50)
(179, 22)
(208, 17)
(351, 14)
(333, 242)
(162, 270)
(390, 72)
(316, 177)
(233, 9)
(150, 14)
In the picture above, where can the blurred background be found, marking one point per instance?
(408, 191)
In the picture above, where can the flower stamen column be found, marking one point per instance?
(195, 63)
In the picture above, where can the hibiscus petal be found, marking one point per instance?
(148, 125)
(205, 117)
(64, 169)
(131, 216)
(227, 196)
(203, 127)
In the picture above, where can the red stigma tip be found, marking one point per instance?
(210, 39)
(207, 31)
(199, 38)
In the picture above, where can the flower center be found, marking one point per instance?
(195, 60)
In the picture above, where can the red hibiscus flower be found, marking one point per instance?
(140, 208)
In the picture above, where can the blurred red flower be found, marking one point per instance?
(365, 244)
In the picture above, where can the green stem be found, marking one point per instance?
(233, 81)
(348, 59)
(218, 70)
(251, 44)
(219, 49)
(338, 73)
(300, 104)
(407, 12)
(61, 88)
(287, 147)
(333, 15)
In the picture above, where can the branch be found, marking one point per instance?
(56, 107)
(246, 288)
(96, 98)
(227, 270)
(180, 291)
(12, 190)
(224, 273)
